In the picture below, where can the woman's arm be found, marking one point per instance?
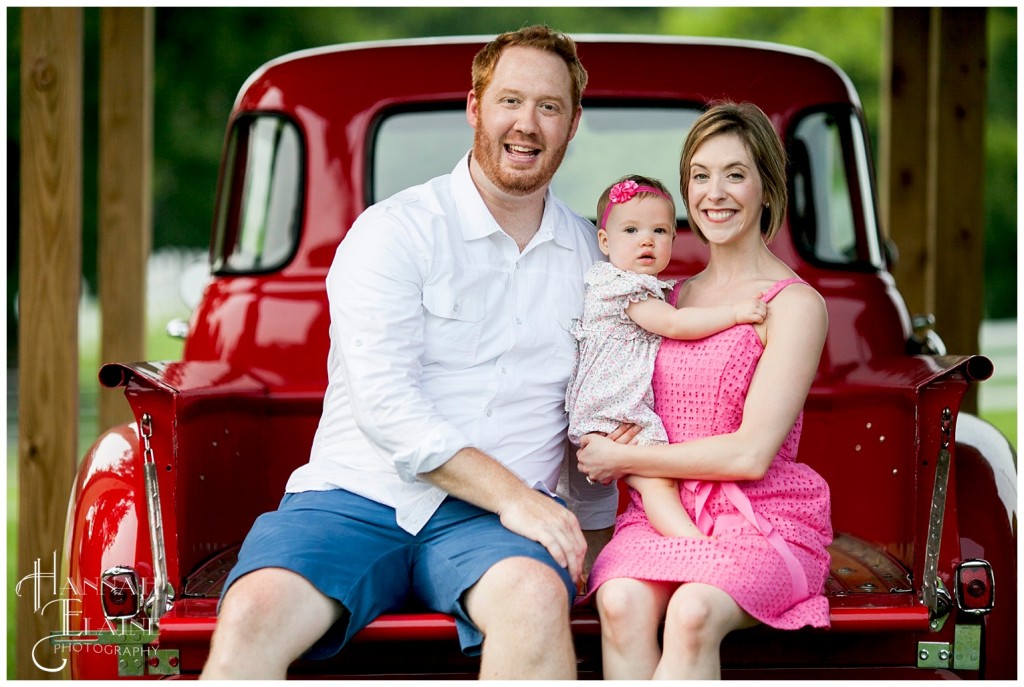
(794, 336)
(666, 320)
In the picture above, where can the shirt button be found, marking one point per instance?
(489, 412)
(455, 308)
(519, 320)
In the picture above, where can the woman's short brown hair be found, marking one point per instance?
(752, 125)
(540, 37)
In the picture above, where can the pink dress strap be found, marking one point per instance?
(774, 289)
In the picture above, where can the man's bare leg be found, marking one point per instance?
(259, 631)
(520, 605)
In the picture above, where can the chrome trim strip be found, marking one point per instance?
(159, 601)
(929, 589)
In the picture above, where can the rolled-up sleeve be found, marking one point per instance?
(375, 293)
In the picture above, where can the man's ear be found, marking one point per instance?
(472, 109)
(575, 122)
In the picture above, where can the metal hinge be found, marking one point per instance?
(934, 655)
(135, 657)
(965, 654)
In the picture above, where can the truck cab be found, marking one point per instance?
(923, 494)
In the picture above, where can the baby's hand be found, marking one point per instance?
(750, 311)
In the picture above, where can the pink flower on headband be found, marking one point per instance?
(623, 191)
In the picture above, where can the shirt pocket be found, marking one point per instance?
(453, 322)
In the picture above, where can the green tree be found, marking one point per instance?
(204, 55)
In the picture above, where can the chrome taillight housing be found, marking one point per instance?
(975, 587)
(120, 593)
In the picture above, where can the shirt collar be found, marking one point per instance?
(477, 222)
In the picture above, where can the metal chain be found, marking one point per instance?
(147, 432)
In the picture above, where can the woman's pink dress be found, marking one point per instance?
(768, 537)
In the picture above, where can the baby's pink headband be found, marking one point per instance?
(623, 192)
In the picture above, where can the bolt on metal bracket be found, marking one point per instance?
(934, 655)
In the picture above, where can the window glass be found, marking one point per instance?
(412, 147)
(827, 221)
(259, 212)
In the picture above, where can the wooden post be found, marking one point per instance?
(903, 177)
(957, 171)
(51, 238)
(932, 165)
(125, 220)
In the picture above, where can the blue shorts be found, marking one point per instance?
(352, 550)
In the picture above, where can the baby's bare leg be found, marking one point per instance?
(664, 509)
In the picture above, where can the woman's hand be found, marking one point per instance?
(600, 458)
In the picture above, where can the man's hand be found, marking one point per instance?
(539, 517)
(475, 477)
(625, 433)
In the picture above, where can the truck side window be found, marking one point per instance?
(829, 223)
(258, 214)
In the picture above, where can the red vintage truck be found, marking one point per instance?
(924, 495)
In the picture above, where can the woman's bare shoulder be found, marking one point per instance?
(800, 303)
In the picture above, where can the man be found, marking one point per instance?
(443, 427)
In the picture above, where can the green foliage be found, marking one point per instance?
(204, 55)
(853, 40)
(1001, 166)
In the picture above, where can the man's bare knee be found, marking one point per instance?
(522, 607)
(518, 590)
(259, 631)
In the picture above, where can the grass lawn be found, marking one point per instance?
(1005, 421)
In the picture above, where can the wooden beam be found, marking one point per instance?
(125, 215)
(932, 165)
(903, 154)
(50, 254)
(956, 186)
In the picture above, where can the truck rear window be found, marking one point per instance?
(831, 213)
(831, 216)
(832, 219)
(412, 147)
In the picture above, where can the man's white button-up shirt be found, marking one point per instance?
(444, 335)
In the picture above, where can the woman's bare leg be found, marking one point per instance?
(631, 612)
(698, 618)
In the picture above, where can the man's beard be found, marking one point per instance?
(488, 153)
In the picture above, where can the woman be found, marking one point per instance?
(732, 407)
